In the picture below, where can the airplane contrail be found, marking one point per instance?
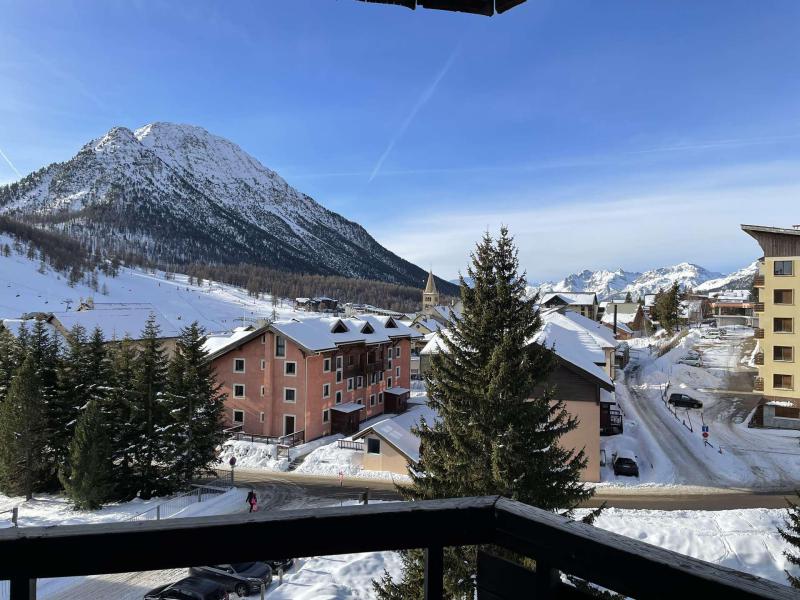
(10, 164)
(426, 95)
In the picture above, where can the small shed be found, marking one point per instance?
(396, 399)
(345, 418)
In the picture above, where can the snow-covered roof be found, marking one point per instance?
(348, 407)
(218, 341)
(435, 342)
(396, 390)
(397, 430)
(571, 298)
(626, 312)
(608, 397)
(730, 296)
(117, 322)
(447, 312)
(594, 327)
(575, 344)
(326, 333)
(14, 325)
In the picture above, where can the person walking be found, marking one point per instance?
(252, 500)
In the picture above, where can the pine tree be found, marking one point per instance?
(499, 425)
(121, 397)
(791, 533)
(22, 433)
(667, 306)
(89, 483)
(11, 357)
(195, 405)
(149, 416)
(628, 298)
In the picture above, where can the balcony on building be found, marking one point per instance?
(496, 527)
(758, 384)
(758, 334)
(758, 359)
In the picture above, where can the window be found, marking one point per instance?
(261, 417)
(289, 395)
(326, 390)
(238, 390)
(338, 397)
(782, 325)
(326, 365)
(372, 399)
(338, 363)
(388, 382)
(782, 382)
(359, 381)
(290, 368)
(397, 372)
(326, 415)
(280, 346)
(349, 384)
(783, 353)
(783, 297)
(263, 364)
(397, 352)
(238, 416)
(373, 446)
(787, 412)
(263, 389)
(380, 398)
(380, 376)
(350, 361)
(373, 378)
(338, 376)
(264, 339)
(783, 267)
(238, 365)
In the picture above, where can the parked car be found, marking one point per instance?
(281, 563)
(711, 322)
(242, 578)
(625, 464)
(685, 401)
(692, 361)
(712, 334)
(189, 588)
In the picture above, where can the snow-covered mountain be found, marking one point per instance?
(612, 284)
(177, 194)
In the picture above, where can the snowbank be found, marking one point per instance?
(253, 455)
(331, 460)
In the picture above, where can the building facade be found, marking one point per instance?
(314, 375)
(777, 311)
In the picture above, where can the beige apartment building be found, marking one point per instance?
(778, 327)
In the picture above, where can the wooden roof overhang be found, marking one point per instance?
(478, 7)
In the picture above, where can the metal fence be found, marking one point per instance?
(173, 506)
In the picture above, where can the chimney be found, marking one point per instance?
(615, 319)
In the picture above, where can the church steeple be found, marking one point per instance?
(430, 297)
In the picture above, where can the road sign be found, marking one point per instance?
(232, 461)
(705, 429)
(705, 434)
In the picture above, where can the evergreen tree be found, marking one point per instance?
(499, 424)
(22, 433)
(791, 533)
(149, 416)
(628, 298)
(195, 404)
(11, 357)
(89, 483)
(667, 308)
(121, 397)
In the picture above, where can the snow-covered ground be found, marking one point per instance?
(216, 306)
(670, 448)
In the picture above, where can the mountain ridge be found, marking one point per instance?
(179, 194)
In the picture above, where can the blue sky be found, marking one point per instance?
(605, 134)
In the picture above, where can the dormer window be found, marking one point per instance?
(390, 324)
(367, 328)
(339, 327)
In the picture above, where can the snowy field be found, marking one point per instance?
(215, 306)
(670, 449)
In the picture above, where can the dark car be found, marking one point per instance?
(190, 588)
(625, 464)
(684, 401)
(242, 578)
(280, 563)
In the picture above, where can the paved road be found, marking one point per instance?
(285, 491)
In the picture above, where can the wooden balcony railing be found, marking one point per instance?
(351, 445)
(759, 281)
(557, 545)
(758, 384)
(758, 334)
(759, 358)
(758, 307)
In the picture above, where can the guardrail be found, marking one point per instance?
(169, 508)
(351, 445)
(556, 544)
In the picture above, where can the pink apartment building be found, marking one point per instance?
(318, 376)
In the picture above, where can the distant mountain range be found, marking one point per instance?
(616, 284)
(176, 194)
